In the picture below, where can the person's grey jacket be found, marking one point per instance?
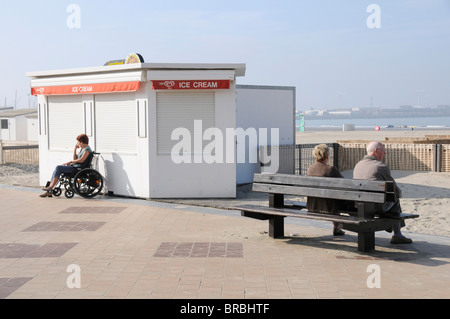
(369, 168)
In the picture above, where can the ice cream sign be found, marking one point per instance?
(191, 85)
(87, 89)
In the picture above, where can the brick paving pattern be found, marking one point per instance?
(92, 210)
(200, 250)
(9, 285)
(34, 251)
(65, 226)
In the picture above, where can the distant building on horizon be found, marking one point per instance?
(379, 112)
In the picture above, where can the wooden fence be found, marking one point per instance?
(296, 159)
(19, 154)
(403, 157)
(444, 159)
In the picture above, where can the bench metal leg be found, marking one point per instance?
(366, 241)
(276, 227)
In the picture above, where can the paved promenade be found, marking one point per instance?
(110, 247)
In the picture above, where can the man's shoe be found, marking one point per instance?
(400, 240)
(338, 232)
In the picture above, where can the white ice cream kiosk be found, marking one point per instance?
(130, 111)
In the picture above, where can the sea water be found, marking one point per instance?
(419, 122)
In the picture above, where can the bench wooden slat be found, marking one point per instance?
(324, 182)
(303, 213)
(323, 193)
(293, 212)
(287, 212)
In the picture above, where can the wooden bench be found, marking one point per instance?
(365, 194)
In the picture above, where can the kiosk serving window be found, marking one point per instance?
(65, 121)
(116, 123)
(180, 110)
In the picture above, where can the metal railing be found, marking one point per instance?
(296, 159)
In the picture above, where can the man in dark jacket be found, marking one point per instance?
(371, 167)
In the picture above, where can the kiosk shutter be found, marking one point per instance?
(65, 121)
(116, 123)
(180, 110)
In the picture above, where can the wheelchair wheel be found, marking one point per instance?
(69, 193)
(56, 191)
(88, 183)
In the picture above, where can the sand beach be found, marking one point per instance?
(332, 135)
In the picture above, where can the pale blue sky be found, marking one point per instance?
(323, 48)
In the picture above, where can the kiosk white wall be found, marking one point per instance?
(264, 107)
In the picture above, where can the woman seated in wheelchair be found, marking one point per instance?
(79, 159)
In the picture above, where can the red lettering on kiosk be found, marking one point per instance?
(191, 85)
(87, 88)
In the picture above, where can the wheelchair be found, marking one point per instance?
(83, 181)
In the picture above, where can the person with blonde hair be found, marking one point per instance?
(371, 167)
(324, 205)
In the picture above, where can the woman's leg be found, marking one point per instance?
(57, 173)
